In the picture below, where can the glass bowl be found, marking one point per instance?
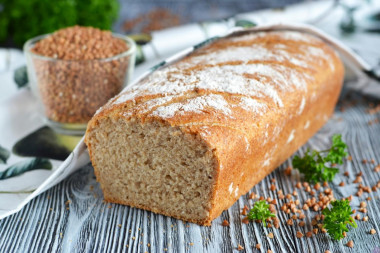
(70, 91)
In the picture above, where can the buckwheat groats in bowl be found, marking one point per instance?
(75, 70)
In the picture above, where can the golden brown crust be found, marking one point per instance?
(299, 79)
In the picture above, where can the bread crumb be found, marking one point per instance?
(372, 231)
(252, 195)
(269, 251)
(288, 171)
(270, 235)
(299, 234)
(327, 251)
(258, 246)
(225, 223)
(309, 234)
(315, 231)
(350, 244)
(290, 222)
(341, 183)
(239, 247)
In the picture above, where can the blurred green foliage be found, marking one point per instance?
(21, 20)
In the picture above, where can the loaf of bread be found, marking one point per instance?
(190, 138)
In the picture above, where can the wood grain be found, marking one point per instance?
(72, 217)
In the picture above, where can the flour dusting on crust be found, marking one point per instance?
(196, 105)
(248, 67)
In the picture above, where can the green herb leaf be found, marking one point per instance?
(24, 166)
(260, 211)
(337, 218)
(337, 151)
(4, 155)
(315, 166)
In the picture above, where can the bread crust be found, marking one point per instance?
(247, 144)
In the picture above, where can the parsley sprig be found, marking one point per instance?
(314, 165)
(337, 218)
(260, 211)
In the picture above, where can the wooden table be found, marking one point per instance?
(72, 217)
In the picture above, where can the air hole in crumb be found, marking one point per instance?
(169, 178)
(148, 162)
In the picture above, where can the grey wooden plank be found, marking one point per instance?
(88, 225)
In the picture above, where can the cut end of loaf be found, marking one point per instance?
(153, 166)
